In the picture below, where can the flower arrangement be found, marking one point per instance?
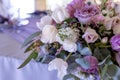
(81, 40)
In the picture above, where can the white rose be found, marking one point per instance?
(69, 46)
(60, 14)
(45, 20)
(60, 65)
(49, 34)
(116, 29)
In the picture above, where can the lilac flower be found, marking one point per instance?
(75, 4)
(86, 13)
(93, 64)
(115, 42)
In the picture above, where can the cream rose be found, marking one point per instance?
(117, 7)
(69, 46)
(60, 14)
(46, 20)
(49, 34)
(60, 65)
(108, 23)
(90, 35)
(116, 29)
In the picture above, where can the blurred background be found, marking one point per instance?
(27, 6)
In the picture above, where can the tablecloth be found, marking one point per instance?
(32, 71)
(11, 56)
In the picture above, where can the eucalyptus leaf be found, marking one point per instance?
(70, 77)
(106, 60)
(30, 38)
(86, 51)
(112, 70)
(83, 63)
(101, 53)
(30, 57)
(72, 67)
(47, 58)
(79, 47)
(104, 70)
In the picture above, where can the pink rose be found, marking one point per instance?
(90, 35)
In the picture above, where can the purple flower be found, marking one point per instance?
(93, 64)
(115, 42)
(75, 4)
(86, 13)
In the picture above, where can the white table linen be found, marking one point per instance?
(32, 71)
(12, 56)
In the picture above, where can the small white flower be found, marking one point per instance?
(69, 46)
(60, 65)
(49, 34)
(104, 40)
(67, 33)
(45, 20)
(58, 39)
(60, 14)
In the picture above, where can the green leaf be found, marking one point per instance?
(30, 38)
(29, 48)
(101, 53)
(72, 67)
(104, 70)
(86, 51)
(62, 54)
(106, 60)
(33, 55)
(79, 47)
(70, 76)
(70, 20)
(83, 63)
(112, 70)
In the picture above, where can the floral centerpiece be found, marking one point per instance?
(81, 40)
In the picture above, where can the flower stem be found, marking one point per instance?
(89, 46)
(82, 28)
(68, 56)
